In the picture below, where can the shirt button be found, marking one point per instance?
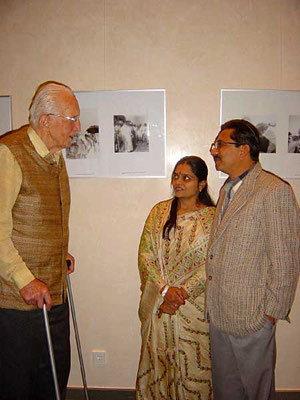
(211, 256)
(210, 277)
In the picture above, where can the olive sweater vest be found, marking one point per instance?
(40, 220)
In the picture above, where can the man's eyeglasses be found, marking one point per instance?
(73, 119)
(219, 143)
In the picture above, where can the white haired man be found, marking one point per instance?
(34, 212)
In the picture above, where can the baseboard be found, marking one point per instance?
(129, 394)
(287, 395)
(101, 394)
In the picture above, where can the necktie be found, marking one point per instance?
(228, 189)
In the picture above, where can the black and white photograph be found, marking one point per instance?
(85, 144)
(275, 113)
(266, 126)
(5, 114)
(130, 134)
(294, 134)
(123, 134)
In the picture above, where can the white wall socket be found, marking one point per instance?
(99, 357)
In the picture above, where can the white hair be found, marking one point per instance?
(44, 100)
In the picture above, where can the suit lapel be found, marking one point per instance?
(217, 216)
(240, 198)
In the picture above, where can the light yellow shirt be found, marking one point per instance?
(12, 267)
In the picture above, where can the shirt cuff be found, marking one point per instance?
(22, 277)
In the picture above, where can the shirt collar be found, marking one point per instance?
(232, 186)
(40, 146)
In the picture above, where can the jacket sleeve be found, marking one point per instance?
(282, 217)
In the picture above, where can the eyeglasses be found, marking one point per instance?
(74, 119)
(219, 143)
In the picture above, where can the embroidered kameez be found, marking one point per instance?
(175, 359)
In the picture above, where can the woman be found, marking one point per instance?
(175, 354)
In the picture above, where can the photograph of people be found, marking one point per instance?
(85, 144)
(266, 126)
(294, 134)
(175, 354)
(130, 134)
(267, 137)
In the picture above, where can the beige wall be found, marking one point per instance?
(192, 48)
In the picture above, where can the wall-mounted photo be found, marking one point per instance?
(122, 135)
(85, 144)
(131, 134)
(266, 126)
(294, 134)
(275, 113)
(5, 114)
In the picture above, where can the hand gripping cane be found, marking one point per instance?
(70, 296)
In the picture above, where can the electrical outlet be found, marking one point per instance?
(99, 357)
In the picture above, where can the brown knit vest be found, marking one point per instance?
(40, 220)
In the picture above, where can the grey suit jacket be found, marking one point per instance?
(253, 259)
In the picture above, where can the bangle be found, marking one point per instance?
(164, 292)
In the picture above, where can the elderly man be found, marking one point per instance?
(252, 266)
(34, 212)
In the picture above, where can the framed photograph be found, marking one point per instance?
(123, 134)
(276, 114)
(5, 114)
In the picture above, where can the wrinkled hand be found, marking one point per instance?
(70, 260)
(36, 293)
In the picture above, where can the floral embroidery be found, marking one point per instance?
(175, 358)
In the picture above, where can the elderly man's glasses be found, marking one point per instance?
(74, 119)
(219, 143)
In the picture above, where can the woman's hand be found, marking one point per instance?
(176, 296)
(167, 309)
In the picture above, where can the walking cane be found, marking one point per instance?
(70, 296)
(50, 347)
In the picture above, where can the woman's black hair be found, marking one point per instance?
(198, 168)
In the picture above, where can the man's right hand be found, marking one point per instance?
(36, 293)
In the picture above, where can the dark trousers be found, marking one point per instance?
(25, 368)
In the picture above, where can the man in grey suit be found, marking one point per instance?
(252, 266)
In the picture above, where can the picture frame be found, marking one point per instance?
(276, 114)
(123, 135)
(5, 114)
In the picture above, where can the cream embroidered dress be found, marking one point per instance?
(175, 356)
